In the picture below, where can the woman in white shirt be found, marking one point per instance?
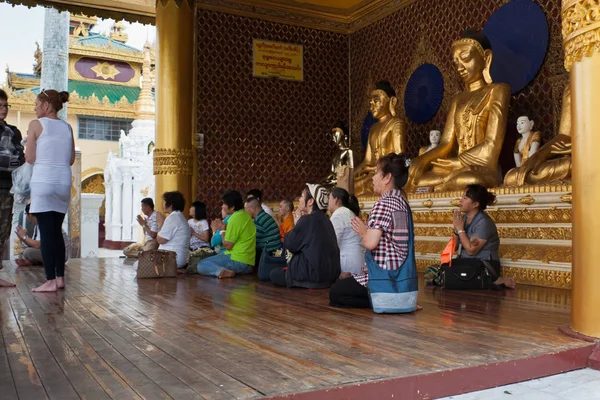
(175, 232)
(199, 229)
(343, 207)
(51, 150)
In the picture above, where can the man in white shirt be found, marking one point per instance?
(151, 224)
(257, 194)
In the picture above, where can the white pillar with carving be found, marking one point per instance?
(116, 221)
(90, 218)
(108, 210)
(127, 200)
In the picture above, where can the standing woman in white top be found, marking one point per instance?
(51, 150)
(343, 207)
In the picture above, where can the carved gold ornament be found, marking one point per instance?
(527, 200)
(173, 162)
(580, 29)
(514, 252)
(560, 215)
(428, 203)
(105, 70)
(567, 198)
(503, 232)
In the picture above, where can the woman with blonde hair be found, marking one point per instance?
(51, 151)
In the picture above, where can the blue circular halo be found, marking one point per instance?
(424, 93)
(519, 34)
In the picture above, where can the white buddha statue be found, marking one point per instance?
(528, 143)
(434, 140)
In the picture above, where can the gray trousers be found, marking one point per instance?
(34, 255)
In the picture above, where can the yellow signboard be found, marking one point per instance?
(275, 59)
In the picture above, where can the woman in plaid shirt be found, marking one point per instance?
(387, 235)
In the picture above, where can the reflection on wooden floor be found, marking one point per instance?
(110, 336)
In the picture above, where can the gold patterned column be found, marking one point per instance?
(173, 161)
(581, 35)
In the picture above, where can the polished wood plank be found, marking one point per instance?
(109, 335)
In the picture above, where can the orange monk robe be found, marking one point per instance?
(286, 225)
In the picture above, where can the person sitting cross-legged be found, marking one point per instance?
(267, 232)
(286, 209)
(315, 262)
(239, 240)
(32, 254)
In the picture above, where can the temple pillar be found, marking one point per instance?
(55, 60)
(581, 35)
(116, 219)
(90, 211)
(127, 200)
(108, 210)
(173, 160)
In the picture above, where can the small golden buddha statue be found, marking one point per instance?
(387, 135)
(552, 162)
(343, 161)
(470, 145)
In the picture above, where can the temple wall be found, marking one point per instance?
(265, 133)
(422, 33)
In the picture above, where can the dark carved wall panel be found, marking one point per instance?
(272, 134)
(423, 32)
(265, 133)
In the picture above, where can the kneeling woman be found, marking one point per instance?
(388, 238)
(315, 263)
(476, 231)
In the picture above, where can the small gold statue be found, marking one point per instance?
(343, 161)
(470, 146)
(387, 135)
(552, 162)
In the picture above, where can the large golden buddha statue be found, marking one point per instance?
(387, 135)
(552, 162)
(470, 146)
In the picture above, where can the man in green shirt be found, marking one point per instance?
(239, 241)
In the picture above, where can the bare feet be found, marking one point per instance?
(419, 308)
(508, 282)
(60, 282)
(225, 273)
(24, 263)
(345, 275)
(49, 286)
(4, 283)
(181, 271)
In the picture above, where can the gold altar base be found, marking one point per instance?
(534, 224)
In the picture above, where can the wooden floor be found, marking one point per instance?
(110, 336)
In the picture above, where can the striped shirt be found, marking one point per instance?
(389, 215)
(268, 236)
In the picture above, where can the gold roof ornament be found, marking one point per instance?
(37, 55)
(118, 32)
(144, 106)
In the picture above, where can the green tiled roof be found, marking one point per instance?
(113, 92)
(101, 41)
(86, 89)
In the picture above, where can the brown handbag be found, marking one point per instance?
(157, 264)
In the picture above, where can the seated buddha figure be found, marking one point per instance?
(470, 145)
(552, 162)
(387, 135)
(528, 143)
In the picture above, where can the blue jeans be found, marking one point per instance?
(214, 265)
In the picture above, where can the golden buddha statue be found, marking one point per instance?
(552, 162)
(343, 161)
(470, 146)
(387, 135)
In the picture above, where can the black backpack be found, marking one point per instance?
(11, 150)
